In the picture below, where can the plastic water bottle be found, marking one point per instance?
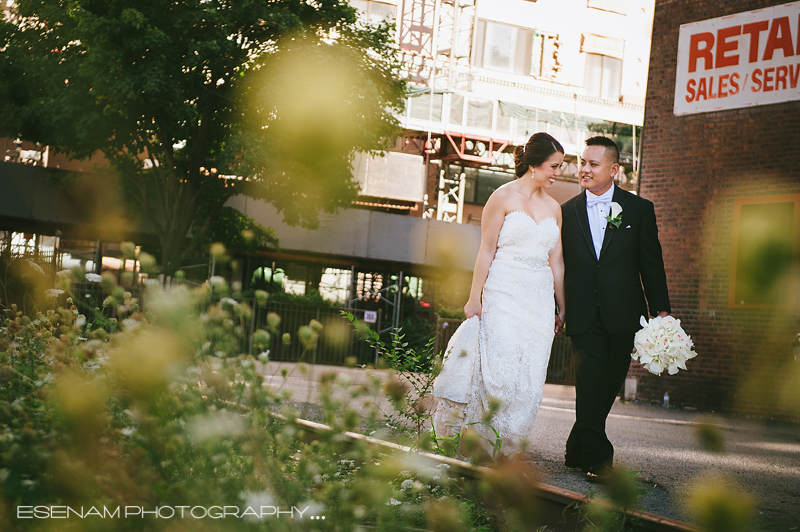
(666, 399)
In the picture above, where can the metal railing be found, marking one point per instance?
(337, 341)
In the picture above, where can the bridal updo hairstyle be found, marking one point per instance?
(538, 149)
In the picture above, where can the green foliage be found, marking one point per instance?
(169, 409)
(417, 332)
(596, 514)
(409, 388)
(239, 232)
(262, 98)
(410, 391)
(312, 299)
(162, 411)
(456, 313)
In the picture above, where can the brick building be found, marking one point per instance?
(722, 166)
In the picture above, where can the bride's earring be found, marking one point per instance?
(532, 172)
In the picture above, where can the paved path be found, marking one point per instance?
(661, 443)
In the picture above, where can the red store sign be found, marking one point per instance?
(741, 60)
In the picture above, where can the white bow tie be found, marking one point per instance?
(592, 200)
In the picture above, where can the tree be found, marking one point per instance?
(195, 101)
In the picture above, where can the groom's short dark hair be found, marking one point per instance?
(612, 150)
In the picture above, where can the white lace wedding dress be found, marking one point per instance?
(503, 355)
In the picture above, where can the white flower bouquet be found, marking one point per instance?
(662, 344)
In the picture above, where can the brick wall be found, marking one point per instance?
(693, 168)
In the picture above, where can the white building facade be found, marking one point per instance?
(484, 76)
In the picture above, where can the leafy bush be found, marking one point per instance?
(454, 313)
(167, 411)
(311, 299)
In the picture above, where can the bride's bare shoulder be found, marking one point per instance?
(553, 207)
(505, 193)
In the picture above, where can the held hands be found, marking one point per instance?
(559, 330)
(473, 308)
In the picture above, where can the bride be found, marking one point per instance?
(496, 361)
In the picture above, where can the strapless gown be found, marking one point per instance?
(502, 358)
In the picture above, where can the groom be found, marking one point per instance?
(608, 263)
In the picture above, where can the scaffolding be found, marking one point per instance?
(435, 42)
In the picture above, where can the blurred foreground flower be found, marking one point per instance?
(149, 361)
(221, 424)
(217, 250)
(710, 435)
(719, 504)
(261, 338)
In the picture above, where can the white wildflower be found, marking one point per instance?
(130, 324)
(93, 277)
(407, 485)
(256, 500)
(393, 502)
(216, 424)
(217, 282)
(53, 293)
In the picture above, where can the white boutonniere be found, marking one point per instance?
(615, 218)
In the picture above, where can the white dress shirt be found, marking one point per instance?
(597, 216)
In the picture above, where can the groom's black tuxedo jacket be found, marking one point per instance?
(630, 260)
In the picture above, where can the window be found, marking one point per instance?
(500, 47)
(456, 109)
(765, 257)
(516, 50)
(479, 113)
(419, 106)
(374, 12)
(503, 47)
(603, 77)
(615, 6)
